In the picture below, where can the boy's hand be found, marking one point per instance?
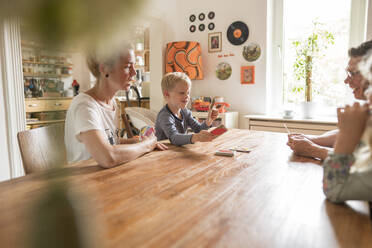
(351, 123)
(203, 136)
(212, 115)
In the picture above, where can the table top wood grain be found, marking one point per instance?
(188, 197)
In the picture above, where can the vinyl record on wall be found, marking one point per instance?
(201, 16)
(211, 26)
(211, 15)
(201, 27)
(192, 28)
(237, 33)
(192, 18)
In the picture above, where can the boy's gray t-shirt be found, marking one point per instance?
(169, 126)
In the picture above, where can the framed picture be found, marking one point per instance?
(215, 42)
(247, 74)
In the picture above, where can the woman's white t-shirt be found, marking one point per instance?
(85, 114)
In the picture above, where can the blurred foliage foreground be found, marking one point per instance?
(78, 23)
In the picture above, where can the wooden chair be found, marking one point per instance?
(141, 116)
(42, 148)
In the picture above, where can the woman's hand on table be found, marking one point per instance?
(303, 146)
(154, 144)
(160, 146)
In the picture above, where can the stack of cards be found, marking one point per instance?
(219, 130)
(223, 152)
(146, 131)
(241, 149)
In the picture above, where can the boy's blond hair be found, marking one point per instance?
(170, 80)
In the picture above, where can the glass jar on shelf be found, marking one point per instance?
(69, 60)
(52, 59)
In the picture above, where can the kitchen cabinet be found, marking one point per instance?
(45, 111)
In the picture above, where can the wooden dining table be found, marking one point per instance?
(189, 197)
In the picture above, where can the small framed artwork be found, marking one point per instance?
(247, 74)
(215, 42)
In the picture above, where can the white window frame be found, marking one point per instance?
(275, 39)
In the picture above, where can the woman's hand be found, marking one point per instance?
(351, 123)
(160, 146)
(154, 144)
(203, 136)
(303, 146)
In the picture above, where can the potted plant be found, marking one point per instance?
(309, 50)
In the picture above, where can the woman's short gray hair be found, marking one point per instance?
(95, 58)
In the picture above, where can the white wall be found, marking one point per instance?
(369, 20)
(246, 99)
(81, 72)
(159, 13)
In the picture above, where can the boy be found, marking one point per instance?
(174, 118)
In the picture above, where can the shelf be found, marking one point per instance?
(27, 74)
(32, 45)
(44, 122)
(48, 98)
(44, 63)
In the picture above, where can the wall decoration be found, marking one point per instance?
(211, 26)
(192, 18)
(201, 27)
(247, 74)
(223, 71)
(184, 56)
(225, 55)
(237, 33)
(251, 52)
(214, 42)
(192, 28)
(201, 16)
(211, 15)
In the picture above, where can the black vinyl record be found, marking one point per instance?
(211, 26)
(211, 15)
(192, 28)
(201, 16)
(237, 33)
(201, 27)
(192, 18)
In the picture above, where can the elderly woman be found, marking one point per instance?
(348, 169)
(91, 124)
(319, 146)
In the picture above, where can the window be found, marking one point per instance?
(345, 20)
